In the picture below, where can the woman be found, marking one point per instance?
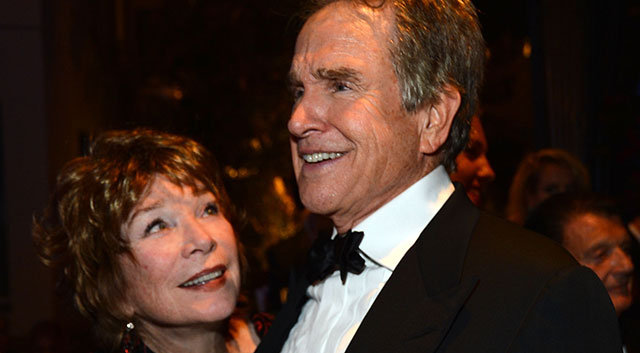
(540, 175)
(142, 229)
(473, 169)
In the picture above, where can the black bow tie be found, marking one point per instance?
(340, 253)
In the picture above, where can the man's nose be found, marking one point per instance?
(622, 261)
(198, 238)
(308, 116)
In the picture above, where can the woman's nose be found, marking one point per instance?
(486, 173)
(197, 238)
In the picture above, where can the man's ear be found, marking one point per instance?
(437, 119)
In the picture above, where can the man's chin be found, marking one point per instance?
(621, 302)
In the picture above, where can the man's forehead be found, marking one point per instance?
(351, 17)
(331, 37)
(352, 10)
(593, 227)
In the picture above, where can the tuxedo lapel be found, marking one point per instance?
(421, 300)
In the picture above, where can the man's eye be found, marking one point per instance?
(155, 226)
(626, 248)
(600, 255)
(298, 92)
(340, 87)
(211, 209)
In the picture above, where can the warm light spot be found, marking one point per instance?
(231, 172)
(177, 94)
(243, 172)
(255, 144)
(281, 191)
(278, 186)
(526, 49)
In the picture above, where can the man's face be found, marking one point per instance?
(353, 145)
(472, 166)
(602, 244)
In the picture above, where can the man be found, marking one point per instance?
(383, 97)
(473, 169)
(591, 229)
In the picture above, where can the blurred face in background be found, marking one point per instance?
(602, 244)
(553, 179)
(473, 169)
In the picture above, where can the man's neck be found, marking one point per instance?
(348, 219)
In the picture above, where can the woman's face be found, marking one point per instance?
(553, 179)
(186, 270)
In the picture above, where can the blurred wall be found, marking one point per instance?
(24, 160)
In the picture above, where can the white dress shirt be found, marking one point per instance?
(332, 315)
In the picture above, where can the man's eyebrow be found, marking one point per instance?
(602, 244)
(338, 74)
(293, 79)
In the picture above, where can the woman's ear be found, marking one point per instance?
(437, 119)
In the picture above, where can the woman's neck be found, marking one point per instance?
(201, 339)
(237, 336)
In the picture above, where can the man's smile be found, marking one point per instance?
(321, 156)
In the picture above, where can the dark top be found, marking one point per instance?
(133, 344)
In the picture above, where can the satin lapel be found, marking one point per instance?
(286, 319)
(421, 300)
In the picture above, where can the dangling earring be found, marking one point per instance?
(127, 341)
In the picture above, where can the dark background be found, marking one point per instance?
(216, 71)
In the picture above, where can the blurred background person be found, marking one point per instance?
(542, 174)
(142, 229)
(591, 228)
(473, 169)
(634, 227)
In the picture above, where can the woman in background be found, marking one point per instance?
(473, 169)
(540, 175)
(142, 229)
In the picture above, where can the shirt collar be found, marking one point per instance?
(392, 229)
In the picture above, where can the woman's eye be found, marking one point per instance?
(473, 151)
(211, 209)
(155, 226)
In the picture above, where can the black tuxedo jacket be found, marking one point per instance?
(475, 283)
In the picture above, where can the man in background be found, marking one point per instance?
(590, 227)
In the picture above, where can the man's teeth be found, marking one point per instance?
(319, 157)
(202, 280)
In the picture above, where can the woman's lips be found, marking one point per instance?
(204, 277)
